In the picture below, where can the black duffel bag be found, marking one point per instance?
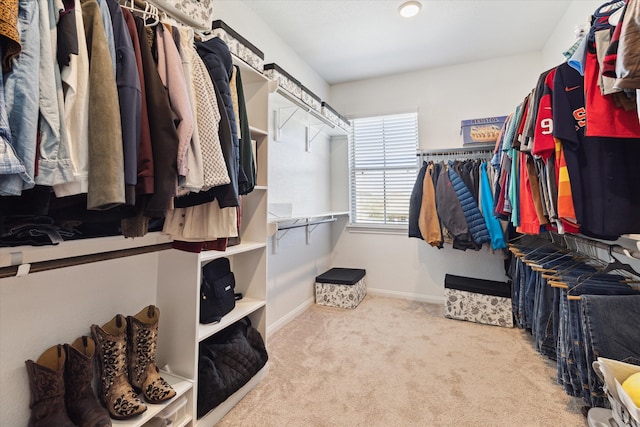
(227, 361)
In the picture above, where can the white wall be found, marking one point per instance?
(302, 179)
(245, 22)
(395, 264)
(443, 96)
(563, 37)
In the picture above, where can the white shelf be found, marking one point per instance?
(243, 308)
(257, 131)
(282, 99)
(277, 220)
(180, 385)
(260, 188)
(221, 410)
(231, 250)
(249, 74)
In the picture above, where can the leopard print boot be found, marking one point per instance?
(143, 371)
(115, 392)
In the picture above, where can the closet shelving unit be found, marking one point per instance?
(57, 292)
(180, 272)
(288, 110)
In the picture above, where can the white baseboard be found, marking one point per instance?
(406, 295)
(289, 316)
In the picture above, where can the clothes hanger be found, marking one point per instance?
(616, 264)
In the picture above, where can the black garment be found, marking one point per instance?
(217, 58)
(246, 150)
(415, 203)
(67, 34)
(450, 212)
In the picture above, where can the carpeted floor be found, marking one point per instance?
(393, 362)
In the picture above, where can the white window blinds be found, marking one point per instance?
(383, 168)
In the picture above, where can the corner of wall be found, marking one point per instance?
(246, 22)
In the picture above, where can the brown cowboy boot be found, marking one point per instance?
(46, 380)
(82, 405)
(115, 392)
(143, 372)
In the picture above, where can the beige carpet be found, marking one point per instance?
(393, 362)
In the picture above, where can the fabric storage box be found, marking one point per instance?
(311, 99)
(477, 300)
(481, 131)
(285, 80)
(341, 287)
(335, 118)
(238, 45)
(196, 14)
(613, 373)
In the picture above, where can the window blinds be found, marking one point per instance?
(383, 168)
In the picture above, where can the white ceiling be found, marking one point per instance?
(346, 40)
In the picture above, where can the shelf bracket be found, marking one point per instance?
(309, 137)
(281, 117)
(309, 224)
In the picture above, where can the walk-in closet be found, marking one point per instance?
(319, 213)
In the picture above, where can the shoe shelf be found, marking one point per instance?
(243, 308)
(181, 385)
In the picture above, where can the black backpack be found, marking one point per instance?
(216, 290)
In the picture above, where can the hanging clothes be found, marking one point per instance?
(474, 218)
(106, 175)
(129, 97)
(428, 221)
(493, 224)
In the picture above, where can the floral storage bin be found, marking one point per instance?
(334, 117)
(197, 14)
(238, 45)
(341, 287)
(285, 80)
(477, 300)
(311, 99)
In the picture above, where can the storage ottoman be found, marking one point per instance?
(477, 300)
(341, 287)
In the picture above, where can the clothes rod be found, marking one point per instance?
(298, 103)
(455, 151)
(617, 248)
(39, 266)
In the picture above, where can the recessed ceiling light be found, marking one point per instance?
(409, 8)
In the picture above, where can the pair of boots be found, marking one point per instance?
(61, 379)
(126, 348)
(61, 393)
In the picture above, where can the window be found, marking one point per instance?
(383, 167)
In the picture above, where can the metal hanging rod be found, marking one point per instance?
(39, 266)
(484, 149)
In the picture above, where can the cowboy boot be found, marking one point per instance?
(46, 380)
(82, 405)
(143, 372)
(115, 392)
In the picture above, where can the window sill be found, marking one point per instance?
(377, 229)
